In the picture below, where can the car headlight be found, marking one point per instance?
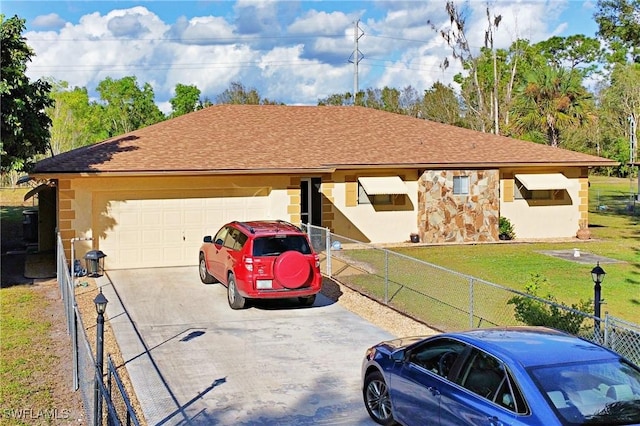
(371, 352)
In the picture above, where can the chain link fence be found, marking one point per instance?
(624, 202)
(117, 408)
(447, 300)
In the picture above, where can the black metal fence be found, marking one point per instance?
(115, 402)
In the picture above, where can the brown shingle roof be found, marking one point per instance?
(227, 138)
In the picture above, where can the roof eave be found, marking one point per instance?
(329, 168)
(149, 173)
(484, 165)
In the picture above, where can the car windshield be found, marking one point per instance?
(278, 244)
(602, 393)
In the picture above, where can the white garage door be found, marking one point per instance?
(169, 232)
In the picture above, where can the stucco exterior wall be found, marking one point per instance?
(559, 217)
(429, 208)
(368, 222)
(448, 217)
(84, 201)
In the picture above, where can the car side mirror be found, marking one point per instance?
(208, 239)
(398, 356)
(219, 242)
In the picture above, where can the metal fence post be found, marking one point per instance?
(606, 330)
(386, 277)
(471, 302)
(328, 251)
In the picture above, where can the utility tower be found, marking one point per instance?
(356, 57)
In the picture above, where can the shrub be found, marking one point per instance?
(505, 229)
(532, 311)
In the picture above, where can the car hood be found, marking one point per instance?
(402, 343)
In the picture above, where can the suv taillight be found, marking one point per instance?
(248, 263)
(317, 257)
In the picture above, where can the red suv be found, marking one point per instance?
(261, 260)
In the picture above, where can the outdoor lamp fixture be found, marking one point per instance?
(101, 306)
(597, 275)
(95, 263)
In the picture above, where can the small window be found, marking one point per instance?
(364, 198)
(461, 185)
(240, 240)
(437, 356)
(232, 236)
(221, 235)
(522, 193)
(483, 375)
(276, 245)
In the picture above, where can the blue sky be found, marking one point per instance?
(294, 52)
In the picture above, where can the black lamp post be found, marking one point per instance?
(597, 275)
(101, 306)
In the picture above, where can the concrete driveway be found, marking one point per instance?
(193, 360)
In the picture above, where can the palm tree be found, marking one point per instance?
(550, 101)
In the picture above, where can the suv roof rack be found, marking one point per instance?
(251, 229)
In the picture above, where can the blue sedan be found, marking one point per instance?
(502, 376)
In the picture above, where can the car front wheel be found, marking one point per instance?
(236, 301)
(376, 399)
(205, 276)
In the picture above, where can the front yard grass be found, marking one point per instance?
(615, 234)
(26, 359)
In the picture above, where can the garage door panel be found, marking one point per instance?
(150, 237)
(152, 219)
(171, 236)
(173, 218)
(168, 232)
(129, 238)
(192, 215)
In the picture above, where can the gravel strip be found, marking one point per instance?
(376, 313)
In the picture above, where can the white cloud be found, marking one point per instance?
(314, 22)
(51, 20)
(256, 44)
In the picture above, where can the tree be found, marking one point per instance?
(619, 24)
(336, 99)
(573, 52)
(75, 121)
(456, 38)
(238, 94)
(186, 100)
(619, 102)
(25, 126)
(549, 101)
(127, 107)
(441, 104)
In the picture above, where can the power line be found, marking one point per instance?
(199, 39)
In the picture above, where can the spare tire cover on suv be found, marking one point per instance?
(291, 269)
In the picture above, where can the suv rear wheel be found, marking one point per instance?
(308, 300)
(236, 301)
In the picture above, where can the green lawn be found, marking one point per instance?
(25, 361)
(615, 234)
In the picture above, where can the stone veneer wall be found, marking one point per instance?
(445, 217)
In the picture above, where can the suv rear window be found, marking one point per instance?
(275, 245)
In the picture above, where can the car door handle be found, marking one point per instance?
(494, 421)
(434, 391)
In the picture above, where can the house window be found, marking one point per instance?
(364, 198)
(461, 185)
(522, 193)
